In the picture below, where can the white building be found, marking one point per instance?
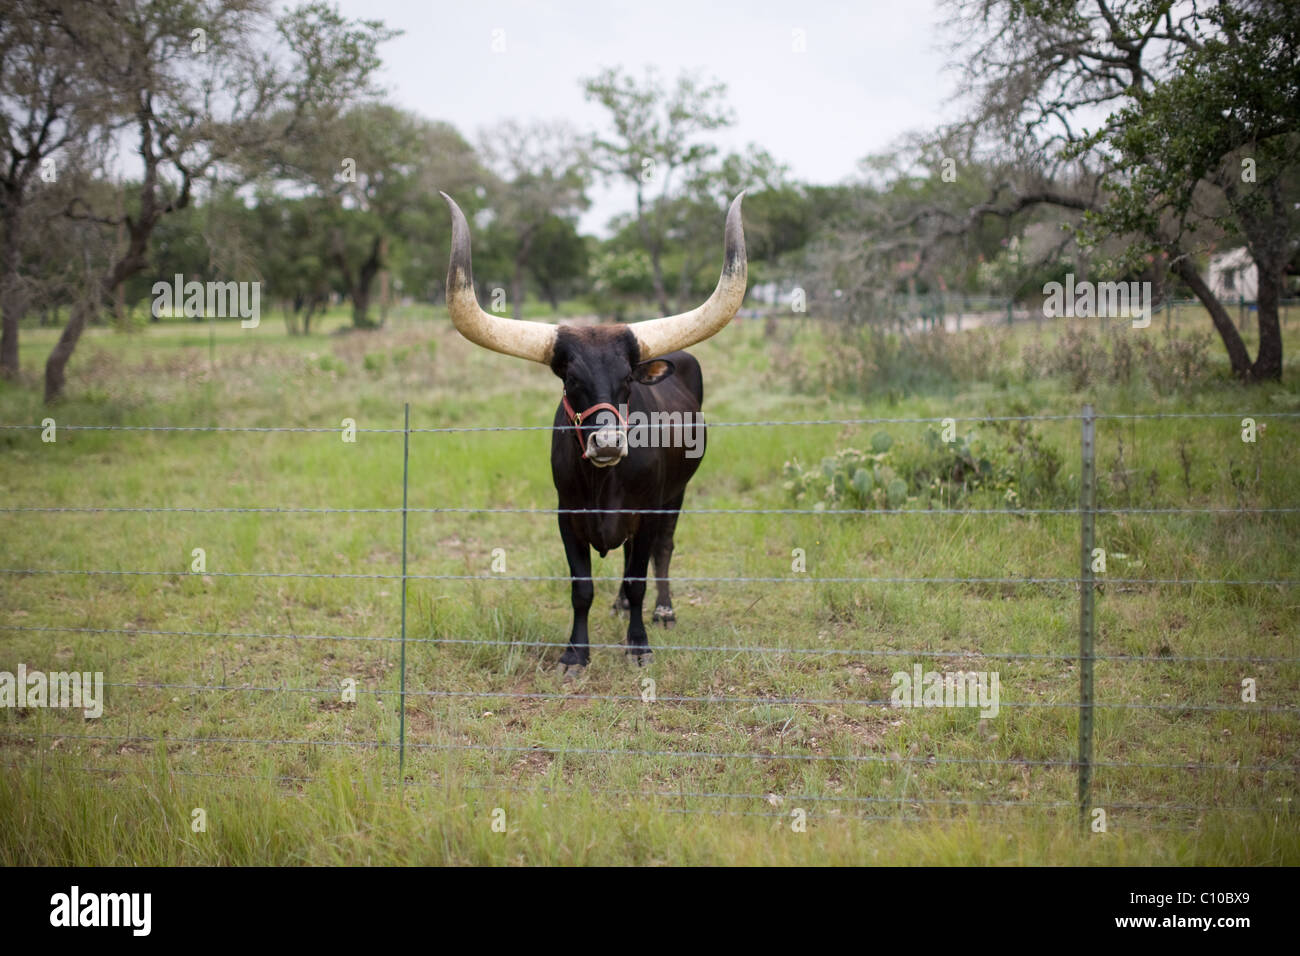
(1233, 276)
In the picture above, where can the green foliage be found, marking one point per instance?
(1019, 467)
(617, 278)
(864, 359)
(851, 478)
(1087, 357)
(1234, 96)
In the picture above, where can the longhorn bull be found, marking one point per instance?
(618, 483)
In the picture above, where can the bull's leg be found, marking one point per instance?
(577, 655)
(662, 553)
(620, 599)
(638, 644)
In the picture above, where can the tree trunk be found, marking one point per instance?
(1268, 360)
(309, 314)
(684, 285)
(365, 279)
(361, 307)
(87, 307)
(56, 365)
(1238, 357)
(522, 253)
(10, 297)
(657, 275)
(517, 289)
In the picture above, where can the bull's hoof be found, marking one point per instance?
(665, 616)
(572, 672)
(574, 657)
(620, 606)
(639, 654)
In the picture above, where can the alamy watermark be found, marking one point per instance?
(923, 688)
(1102, 300)
(665, 430)
(218, 300)
(67, 689)
(130, 910)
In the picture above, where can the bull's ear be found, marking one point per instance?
(653, 372)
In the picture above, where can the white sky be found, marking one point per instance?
(872, 70)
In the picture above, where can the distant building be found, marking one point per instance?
(1233, 276)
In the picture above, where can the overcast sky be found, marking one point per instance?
(871, 71)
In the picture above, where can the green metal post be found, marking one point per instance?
(1087, 622)
(401, 720)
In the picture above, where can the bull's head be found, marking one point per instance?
(597, 364)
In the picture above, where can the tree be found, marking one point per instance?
(44, 108)
(559, 258)
(656, 135)
(203, 91)
(378, 169)
(294, 254)
(1185, 92)
(1217, 143)
(542, 177)
(702, 205)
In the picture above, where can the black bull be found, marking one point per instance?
(635, 502)
(629, 433)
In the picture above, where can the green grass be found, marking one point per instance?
(476, 744)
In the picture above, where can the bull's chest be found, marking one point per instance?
(605, 532)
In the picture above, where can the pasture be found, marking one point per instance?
(224, 690)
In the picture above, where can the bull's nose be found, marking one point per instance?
(606, 447)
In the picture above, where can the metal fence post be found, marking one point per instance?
(401, 720)
(1087, 526)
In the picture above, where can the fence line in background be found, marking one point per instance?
(1263, 582)
(776, 423)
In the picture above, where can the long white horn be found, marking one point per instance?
(660, 336)
(534, 341)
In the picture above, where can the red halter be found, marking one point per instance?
(575, 418)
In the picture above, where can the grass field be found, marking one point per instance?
(287, 772)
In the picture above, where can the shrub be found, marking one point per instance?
(861, 359)
(1088, 356)
(1020, 468)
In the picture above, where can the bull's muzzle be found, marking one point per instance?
(606, 446)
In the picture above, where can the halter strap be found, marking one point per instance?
(575, 419)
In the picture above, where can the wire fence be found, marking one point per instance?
(1087, 584)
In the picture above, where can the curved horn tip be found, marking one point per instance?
(734, 260)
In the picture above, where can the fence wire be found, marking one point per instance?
(676, 699)
(607, 579)
(773, 423)
(1284, 765)
(698, 648)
